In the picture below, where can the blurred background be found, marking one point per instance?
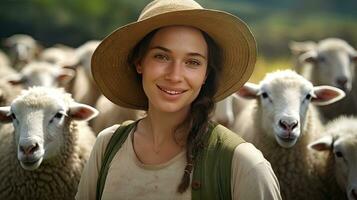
(274, 22)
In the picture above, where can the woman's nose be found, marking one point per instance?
(174, 72)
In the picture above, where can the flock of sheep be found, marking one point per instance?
(303, 120)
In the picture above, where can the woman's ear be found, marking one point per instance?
(138, 67)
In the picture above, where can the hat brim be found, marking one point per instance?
(118, 81)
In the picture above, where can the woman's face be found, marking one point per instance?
(174, 68)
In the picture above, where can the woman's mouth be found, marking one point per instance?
(171, 91)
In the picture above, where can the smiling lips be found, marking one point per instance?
(172, 91)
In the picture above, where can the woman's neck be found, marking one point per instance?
(161, 127)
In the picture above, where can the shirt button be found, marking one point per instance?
(196, 185)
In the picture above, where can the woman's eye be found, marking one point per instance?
(161, 57)
(193, 63)
(265, 95)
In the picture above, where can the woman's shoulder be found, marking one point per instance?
(104, 136)
(108, 132)
(248, 158)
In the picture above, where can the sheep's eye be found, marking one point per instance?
(13, 116)
(265, 95)
(339, 154)
(308, 96)
(58, 115)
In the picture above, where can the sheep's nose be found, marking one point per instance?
(342, 82)
(288, 125)
(29, 149)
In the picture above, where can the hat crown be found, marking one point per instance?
(157, 7)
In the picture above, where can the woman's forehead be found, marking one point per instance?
(180, 37)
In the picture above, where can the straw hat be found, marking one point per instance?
(118, 81)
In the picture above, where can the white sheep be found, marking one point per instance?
(228, 109)
(59, 55)
(83, 87)
(5, 68)
(332, 62)
(280, 122)
(22, 49)
(339, 151)
(4, 59)
(297, 49)
(41, 74)
(224, 113)
(44, 157)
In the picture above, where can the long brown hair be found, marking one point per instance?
(201, 107)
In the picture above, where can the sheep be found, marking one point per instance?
(84, 54)
(5, 68)
(83, 87)
(7, 92)
(110, 114)
(227, 109)
(297, 49)
(280, 122)
(4, 60)
(223, 112)
(44, 156)
(22, 49)
(339, 151)
(332, 62)
(59, 55)
(41, 74)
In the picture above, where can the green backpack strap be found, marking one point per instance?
(115, 142)
(212, 170)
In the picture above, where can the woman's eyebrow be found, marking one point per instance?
(161, 48)
(168, 50)
(197, 54)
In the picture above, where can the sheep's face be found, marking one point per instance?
(23, 48)
(336, 68)
(283, 100)
(284, 104)
(40, 117)
(345, 152)
(39, 129)
(42, 74)
(333, 63)
(53, 55)
(341, 141)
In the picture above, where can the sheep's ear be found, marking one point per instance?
(324, 95)
(298, 48)
(5, 114)
(249, 91)
(354, 56)
(82, 112)
(65, 75)
(15, 79)
(322, 144)
(309, 57)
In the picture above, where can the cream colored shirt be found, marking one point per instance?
(128, 178)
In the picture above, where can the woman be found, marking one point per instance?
(175, 62)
